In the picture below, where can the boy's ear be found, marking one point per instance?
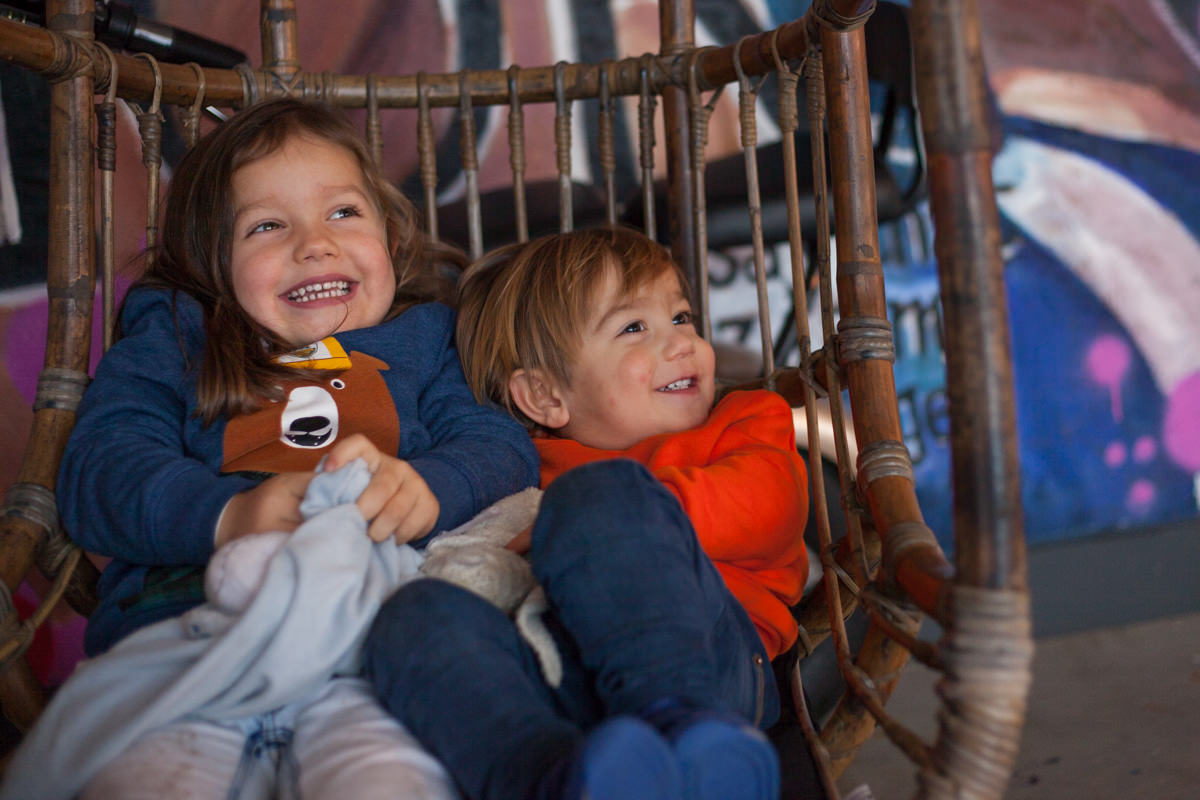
(538, 397)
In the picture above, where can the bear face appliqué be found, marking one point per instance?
(295, 432)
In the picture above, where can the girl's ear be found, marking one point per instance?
(536, 394)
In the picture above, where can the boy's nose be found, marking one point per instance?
(680, 342)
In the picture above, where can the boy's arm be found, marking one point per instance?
(747, 490)
(125, 486)
(480, 454)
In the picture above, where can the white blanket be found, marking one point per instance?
(319, 594)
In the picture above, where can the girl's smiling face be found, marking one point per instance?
(641, 369)
(310, 255)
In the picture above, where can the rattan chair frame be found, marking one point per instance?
(888, 562)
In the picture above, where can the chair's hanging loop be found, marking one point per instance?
(646, 106)
(374, 127)
(562, 149)
(106, 162)
(749, 131)
(700, 114)
(605, 129)
(516, 152)
(150, 127)
(470, 163)
(190, 119)
(425, 148)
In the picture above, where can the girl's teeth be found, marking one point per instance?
(677, 385)
(319, 291)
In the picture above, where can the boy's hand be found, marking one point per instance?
(273, 505)
(397, 502)
(521, 543)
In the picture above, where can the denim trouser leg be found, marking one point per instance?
(637, 609)
(650, 614)
(453, 669)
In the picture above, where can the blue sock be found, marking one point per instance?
(721, 755)
(623, 758)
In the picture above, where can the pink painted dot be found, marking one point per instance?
(1114, 454)
(1141, 495)
(1107, 361)
(1181, 424)
(1144, 449)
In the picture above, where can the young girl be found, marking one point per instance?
(284, 318)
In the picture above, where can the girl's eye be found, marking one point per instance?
(262, 227)
(682, 318)
(346, 211)
(634, 327)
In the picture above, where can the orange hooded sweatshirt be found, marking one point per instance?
(745, 489)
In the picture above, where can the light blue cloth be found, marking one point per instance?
(306, 624)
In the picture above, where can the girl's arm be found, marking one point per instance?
(127, 487)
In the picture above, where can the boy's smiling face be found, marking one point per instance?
(640, 369)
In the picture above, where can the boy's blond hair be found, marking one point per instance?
(523, 306)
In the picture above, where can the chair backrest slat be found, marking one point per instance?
(470, 163)
(562, 150)
(516, 153)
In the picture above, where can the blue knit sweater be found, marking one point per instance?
(142, 477)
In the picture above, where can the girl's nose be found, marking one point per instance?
(315, 243)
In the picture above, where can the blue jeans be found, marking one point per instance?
(638, 612)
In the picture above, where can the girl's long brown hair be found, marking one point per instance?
(238, 371)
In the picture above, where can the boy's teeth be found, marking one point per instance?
(677, 385)
(319, 291)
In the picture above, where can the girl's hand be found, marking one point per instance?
(397, 502)
(273, 505)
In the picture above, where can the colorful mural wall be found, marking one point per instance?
(1099, 109)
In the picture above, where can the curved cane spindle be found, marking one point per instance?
(699, 115)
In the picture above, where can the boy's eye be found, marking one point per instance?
(634, 327)
(682, 318)
(346, 211)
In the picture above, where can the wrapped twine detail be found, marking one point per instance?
(989, 656)
(862, 338)
(647, 103)
(106, 117)
(562, 122)
(33, 502)
(829, 17)
(902, 537)
(881, 459)
(150, 129)
(60, 388)
(69, 59)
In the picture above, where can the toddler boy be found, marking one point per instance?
(669, 544)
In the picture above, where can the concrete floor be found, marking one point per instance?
(1114, 714)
